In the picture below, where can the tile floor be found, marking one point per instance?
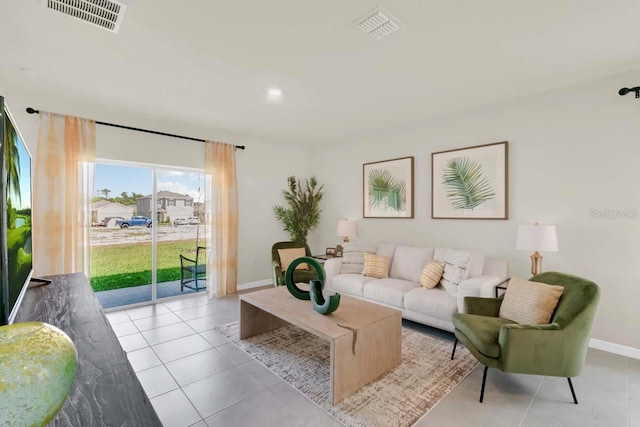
(195, 377)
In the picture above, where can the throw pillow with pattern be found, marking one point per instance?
(376, 266)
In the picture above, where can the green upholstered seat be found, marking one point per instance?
(555, 349)
(299, 276)
(481, 331)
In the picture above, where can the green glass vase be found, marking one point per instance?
(37, 368)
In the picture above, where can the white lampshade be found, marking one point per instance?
(346, 228)
(537, 238)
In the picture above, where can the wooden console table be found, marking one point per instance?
(106, 391)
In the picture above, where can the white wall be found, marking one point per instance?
(262, 168)
(569, 152)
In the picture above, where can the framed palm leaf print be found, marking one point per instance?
(388, 189)
(470, 183)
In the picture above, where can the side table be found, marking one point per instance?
(502, 285)
(322, 258)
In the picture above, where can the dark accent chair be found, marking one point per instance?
(303, 276)
(193, 272)
(557, 349)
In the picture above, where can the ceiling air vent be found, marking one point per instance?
(378, 24)
(107, 14)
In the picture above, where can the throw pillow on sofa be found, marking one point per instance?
(353, 257)
(376, 266)
(456, 268)
(530, 303)
(431, 274)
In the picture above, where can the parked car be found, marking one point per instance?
(192, 220)
(135, 221)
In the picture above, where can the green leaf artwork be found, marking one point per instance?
(467, 187)
(386, 191)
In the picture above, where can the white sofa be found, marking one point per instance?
(402, 289)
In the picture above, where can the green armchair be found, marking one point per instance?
(556, 349)
(303, 276)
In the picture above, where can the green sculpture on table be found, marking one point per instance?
(37, 368)
(320, 304)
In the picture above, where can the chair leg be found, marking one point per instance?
(484, 381)
(455, 343)
(573, 393)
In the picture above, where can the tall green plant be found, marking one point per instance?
(467, 187)
(303, 211)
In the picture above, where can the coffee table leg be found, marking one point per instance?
(254, 321)
(378, 350)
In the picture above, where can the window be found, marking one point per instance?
(143, 256)
(188, 202)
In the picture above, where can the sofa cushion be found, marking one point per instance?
(431, 274)
(456, 268)
(436, 302)
(386, 249)
(482, 331)
(352, 284)
(389, 291)
(353, 257)
(408, 261)
(476, 264)
(530, 303)
(376, 266)
(287, 256)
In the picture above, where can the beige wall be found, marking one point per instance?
(570, 152)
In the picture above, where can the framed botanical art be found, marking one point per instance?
(470, 183)
(388, 189)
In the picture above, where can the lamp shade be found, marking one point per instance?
(537, 238)
(346, 228)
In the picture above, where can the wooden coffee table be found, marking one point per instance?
(378, 333)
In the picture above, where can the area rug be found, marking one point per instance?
(398, 398)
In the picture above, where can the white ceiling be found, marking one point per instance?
(209, 62)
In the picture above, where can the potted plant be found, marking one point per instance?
(303, 211)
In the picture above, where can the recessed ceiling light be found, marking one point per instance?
(274, 92)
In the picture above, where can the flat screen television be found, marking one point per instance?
(16, 261)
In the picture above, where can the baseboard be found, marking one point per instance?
(256, 284)
(610, 347)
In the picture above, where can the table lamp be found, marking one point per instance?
(536, 238)
(346, 228)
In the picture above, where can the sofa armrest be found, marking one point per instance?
(481, 286)
(332, 268)
(482, 306)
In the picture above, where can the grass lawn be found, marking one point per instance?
(128, 265)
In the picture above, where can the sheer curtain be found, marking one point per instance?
(222, 205)
(62, 189)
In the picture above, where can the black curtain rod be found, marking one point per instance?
(154, 132)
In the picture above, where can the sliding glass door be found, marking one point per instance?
(147, 221)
